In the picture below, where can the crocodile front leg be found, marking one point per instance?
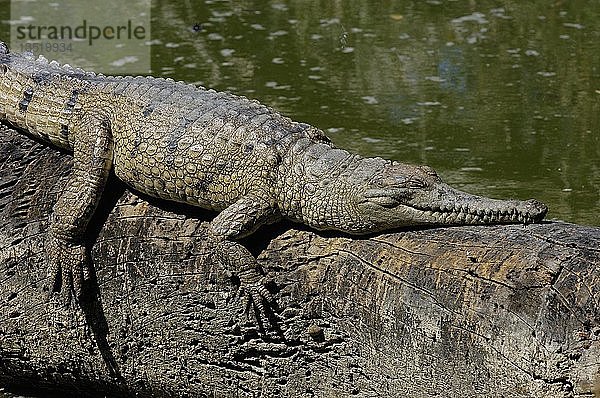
(68, 257)
(236, 221)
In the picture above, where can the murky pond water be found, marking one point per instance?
(503, 100)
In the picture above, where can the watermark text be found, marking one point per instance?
(83, 31)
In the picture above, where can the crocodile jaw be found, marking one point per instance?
(479, 211)
(444, 205)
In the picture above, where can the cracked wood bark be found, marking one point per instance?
(466, 311)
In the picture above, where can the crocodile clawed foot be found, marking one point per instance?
(260, 306)
(68, 271)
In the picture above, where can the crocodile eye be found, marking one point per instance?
(415, 183)
(389, 182)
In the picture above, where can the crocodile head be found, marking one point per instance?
(396, 195)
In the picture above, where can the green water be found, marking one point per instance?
(501, 98)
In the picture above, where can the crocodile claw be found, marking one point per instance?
(257, 296)
(68, 270)
(259, 306)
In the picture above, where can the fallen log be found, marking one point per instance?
(479, 311)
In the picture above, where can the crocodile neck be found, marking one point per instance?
(312, 187)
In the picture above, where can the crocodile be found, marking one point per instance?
(217, 151)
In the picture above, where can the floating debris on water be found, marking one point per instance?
(327, 22)
(371, 140)
(475, 17)
(369, 99)
(546, 74)
(215, 37)
(124, 61)
(499, 13)
(436, 79)
(279, 6)
(221, 14)
(276, 86)
(278, 33)
(573, 25)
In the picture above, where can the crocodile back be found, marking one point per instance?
(198, 146)
(171, 140)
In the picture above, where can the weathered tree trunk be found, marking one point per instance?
(450, 312)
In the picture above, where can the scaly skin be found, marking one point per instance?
(217, 151)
